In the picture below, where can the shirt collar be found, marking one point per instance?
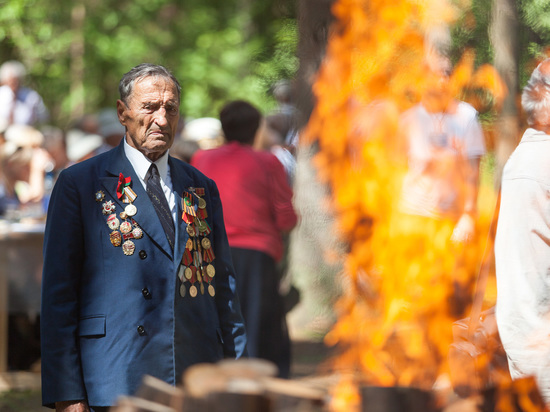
(141, 164)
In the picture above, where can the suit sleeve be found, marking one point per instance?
(227, 300)
(63, 260)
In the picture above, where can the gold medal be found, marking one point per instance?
(189, 244)
(183, 290)
(205, 242)
(210, 270)
(193, 291)
(202, 288)
(128, 248)
(116, 238)
(202, 226)
(190, 230)
(202, 203)
(211, 290)
(123, 215)
(188, 273)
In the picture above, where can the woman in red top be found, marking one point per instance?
(257, 203)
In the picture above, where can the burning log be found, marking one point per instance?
(396, 399)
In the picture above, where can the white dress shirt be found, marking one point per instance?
(141, 166)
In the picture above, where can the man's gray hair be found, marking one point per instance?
(535, 98)
(141, 71)
(12, 69)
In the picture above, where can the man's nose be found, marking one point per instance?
(160, 117)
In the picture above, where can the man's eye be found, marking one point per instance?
(172, 109)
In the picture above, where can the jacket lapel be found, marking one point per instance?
(146, 216)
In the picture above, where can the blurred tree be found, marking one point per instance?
(76, 51)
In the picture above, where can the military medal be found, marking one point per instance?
(130, 210)
(125, 227)
(198, 247)
(122, 232)
(183, 290)
(116, 238)
(137, 233)
(205, 242)
(113, 222)
(108, 207)
(128, 248)
(123, 191)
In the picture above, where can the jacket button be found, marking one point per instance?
(143, 254)
(146, 293)
(141, 330)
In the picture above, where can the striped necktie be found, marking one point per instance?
(158, 198)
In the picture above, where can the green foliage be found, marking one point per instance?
(218, 50)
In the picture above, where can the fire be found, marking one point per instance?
(402, 274)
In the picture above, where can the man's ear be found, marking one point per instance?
(121, 109)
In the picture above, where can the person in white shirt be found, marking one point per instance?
(19, 104)
(522, 252)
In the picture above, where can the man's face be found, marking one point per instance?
(151, 116)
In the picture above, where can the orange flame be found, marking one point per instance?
(402, 273)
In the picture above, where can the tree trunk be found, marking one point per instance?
(78, 16)
(314, 19)
(504, 37)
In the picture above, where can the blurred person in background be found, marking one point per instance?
(205, 131)
(56, 145)
(286, 108)
(445, 143)
(19, 104)
(82, 145)
(522, 253)
(184, 149)
(271, 137)
(258, 210)
(442, 144)
(110, 129)
(25, 164)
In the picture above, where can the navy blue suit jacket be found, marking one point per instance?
(107, 318)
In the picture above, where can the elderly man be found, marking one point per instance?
(137, 276)
(522, 245)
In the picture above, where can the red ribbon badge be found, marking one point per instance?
(122, 183)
